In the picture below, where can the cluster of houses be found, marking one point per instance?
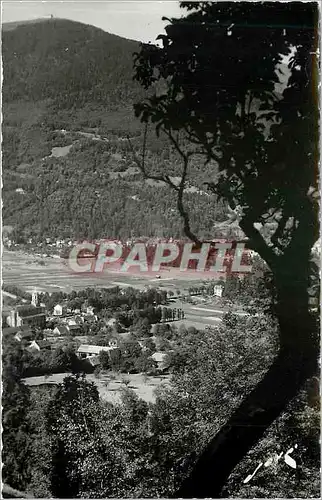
(85, 351)
(24, 321)
(29, 325)
(26, 335)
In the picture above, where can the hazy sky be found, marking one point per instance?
(135, 19)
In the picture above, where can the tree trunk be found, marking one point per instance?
(295, 363)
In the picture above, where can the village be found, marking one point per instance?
(122, 330)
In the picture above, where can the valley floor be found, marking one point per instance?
(26, 272)
(110, 386)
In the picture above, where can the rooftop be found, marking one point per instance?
(93, 349)
(63, 330)
(43, 344)
(25, 334)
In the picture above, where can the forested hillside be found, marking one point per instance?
(94, 191)
(69, 84)
(69, 62)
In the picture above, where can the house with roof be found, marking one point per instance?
(38, 345)
(87, 351)
(111, 322)
(75, 320)
(59, 310)
(26, 335)
(94, 360)
(218, 290)
(48, 331)
(89, 318)
(12, 330)
(61, 330)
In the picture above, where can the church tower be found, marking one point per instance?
(35, 299)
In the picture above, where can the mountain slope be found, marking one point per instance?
(68, 106)
(69, 62)
(63, 74)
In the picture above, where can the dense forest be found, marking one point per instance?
(68, 62)
(95, 191)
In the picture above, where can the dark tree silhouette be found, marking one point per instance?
(222, 97)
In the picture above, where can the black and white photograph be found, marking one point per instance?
(161, 249)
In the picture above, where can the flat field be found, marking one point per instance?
(50, 274)
(109, 387)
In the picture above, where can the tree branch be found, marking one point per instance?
(257, 242)
(141, 164)
(166, 179)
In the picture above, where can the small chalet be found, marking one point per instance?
(218, 290)
(61, 330)
(90, 310)
(59, 310)
(24, 335)
(39, 345)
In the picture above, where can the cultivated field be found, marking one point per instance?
(51, 274)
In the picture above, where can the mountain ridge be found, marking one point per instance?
(51, 58)
(10, 25)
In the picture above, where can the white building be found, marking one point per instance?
(218, 290)
(91, 352)
(59, 310)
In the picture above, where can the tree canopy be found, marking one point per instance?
(223, 99)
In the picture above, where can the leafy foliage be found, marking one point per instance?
(16, 428)
(80, 446)
(242, 129)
